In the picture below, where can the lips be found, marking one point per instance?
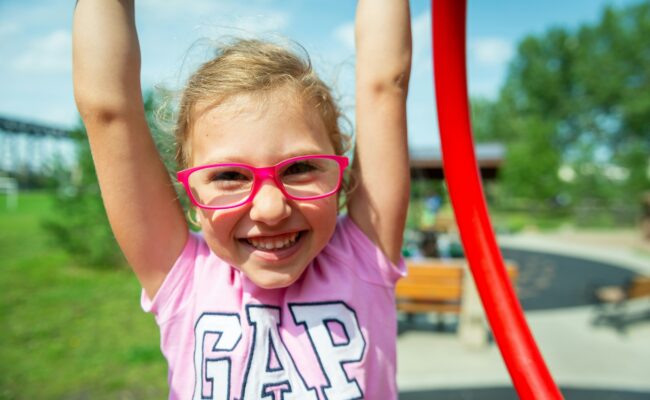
(274, 248)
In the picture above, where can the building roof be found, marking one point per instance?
(426, 162)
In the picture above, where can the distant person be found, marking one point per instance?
(279, 296)
(433, 202)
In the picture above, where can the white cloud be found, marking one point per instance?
(491, 51)
(270, 21)
(421, 33)
(207, 15)
(264, 23)
(345, 34)
(51, 53)
(175, 8)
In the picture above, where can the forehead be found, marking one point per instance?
(258, 130)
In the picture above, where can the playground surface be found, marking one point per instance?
(587, 361)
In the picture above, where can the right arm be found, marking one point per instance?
(141, 203)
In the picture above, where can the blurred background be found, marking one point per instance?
(560, 95)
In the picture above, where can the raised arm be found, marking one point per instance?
(140, 200)
(383, 40)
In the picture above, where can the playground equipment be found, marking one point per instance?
(530, 376)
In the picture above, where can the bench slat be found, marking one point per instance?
(640, 287)
(426, 272)
(431, 292)
(413, 307)
(434, 285)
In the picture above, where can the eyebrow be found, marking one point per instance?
(240, 160)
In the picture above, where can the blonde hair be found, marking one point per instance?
(251, 66)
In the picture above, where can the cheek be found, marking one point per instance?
(322, 214)
(219, 223)
(218, 229)
(222, 216)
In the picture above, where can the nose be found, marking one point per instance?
(270, 206)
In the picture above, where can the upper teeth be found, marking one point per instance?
(274, 243)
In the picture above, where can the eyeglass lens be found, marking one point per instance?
(222, 186)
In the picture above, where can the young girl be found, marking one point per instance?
(279, 297)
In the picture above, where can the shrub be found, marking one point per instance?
(79, 223)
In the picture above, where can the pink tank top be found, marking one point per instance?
(330, 335)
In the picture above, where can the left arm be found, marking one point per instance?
(379, 203)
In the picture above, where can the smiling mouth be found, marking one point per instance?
(274, 243)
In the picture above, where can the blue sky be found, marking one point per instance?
(175, 35)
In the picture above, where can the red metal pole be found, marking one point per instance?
(529, 373)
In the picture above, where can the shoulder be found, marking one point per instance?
(186, 276)
(350, 247)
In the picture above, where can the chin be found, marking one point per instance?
(274, 280)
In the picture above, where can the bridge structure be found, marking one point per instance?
(33, 148)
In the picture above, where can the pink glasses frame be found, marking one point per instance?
(259, 175)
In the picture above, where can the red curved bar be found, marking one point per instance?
(529, 373)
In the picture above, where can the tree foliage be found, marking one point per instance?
(574, 111)
(80, 225)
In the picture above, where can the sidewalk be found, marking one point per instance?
(578, 354)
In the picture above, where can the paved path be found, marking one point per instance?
(581, 356)
(548, 281)
(503, 393)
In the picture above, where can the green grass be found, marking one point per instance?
(69, 332)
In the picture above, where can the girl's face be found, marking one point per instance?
(271, 239)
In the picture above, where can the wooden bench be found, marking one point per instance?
(613, 307)
(434, 286)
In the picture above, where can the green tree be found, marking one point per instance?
(80, 224)
(578, 100)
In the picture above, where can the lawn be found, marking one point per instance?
(69, 332)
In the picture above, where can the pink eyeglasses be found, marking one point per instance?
(221, 186)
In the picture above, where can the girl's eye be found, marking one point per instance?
(300, 167)
(226, 176)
